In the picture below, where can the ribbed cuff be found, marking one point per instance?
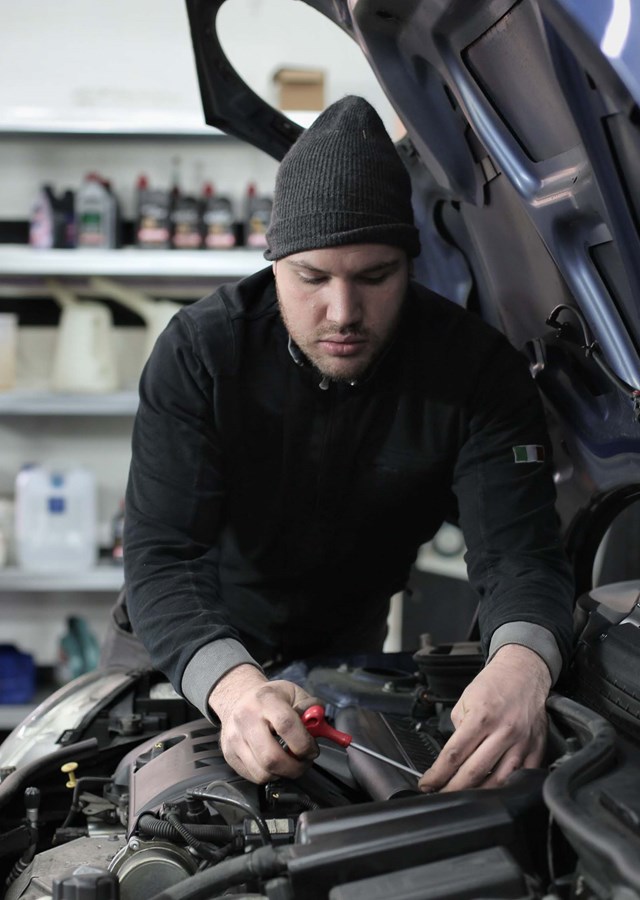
(535, 637)
(207, 667)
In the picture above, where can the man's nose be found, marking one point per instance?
(345, 307)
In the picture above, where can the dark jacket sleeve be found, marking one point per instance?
(175, 505)
(515, 558)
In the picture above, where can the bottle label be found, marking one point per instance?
(90, 233)
(186, 227)
(56, 505)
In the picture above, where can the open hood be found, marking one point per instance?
(522, 140)
(523, 144)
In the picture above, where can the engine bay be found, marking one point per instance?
(135, 800)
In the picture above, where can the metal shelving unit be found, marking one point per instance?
(47, 403)
(108, 578)
(109, 128)
(17, 260)
(146, 125)
(181, 274)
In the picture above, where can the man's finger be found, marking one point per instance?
(273, 760)
(453, 776)
(474, 773)
(282, 721)
(497, 776)
(460, 746)
(261, 758)
(479, 766)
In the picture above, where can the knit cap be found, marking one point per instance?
(342, 182)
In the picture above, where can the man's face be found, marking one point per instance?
(341, 304)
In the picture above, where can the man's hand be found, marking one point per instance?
(500, 722)
(254, 713)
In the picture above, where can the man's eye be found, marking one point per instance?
(317, 279)
(374, 279)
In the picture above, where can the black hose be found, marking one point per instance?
(80, 785)
(591, 836)
(217, 834)
(265, 862)
(592, 349)
(212, 854)
(239, 804)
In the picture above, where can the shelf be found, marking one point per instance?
(19, 259)
(47, 403)
(109, 578)
(35, 123)
(147, 124)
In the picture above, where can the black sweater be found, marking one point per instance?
(263, 509)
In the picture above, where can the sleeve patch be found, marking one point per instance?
(528, 453)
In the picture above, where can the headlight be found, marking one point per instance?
(40, 733)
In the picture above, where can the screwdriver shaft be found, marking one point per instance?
(386, 759)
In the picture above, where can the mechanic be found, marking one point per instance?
(301, 433)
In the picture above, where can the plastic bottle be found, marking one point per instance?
(186, 229)
(153, 216)
(217, 219)
(97, 214)
(55, 519)
(79, 651)
(7, 518)
(257, 218)
(175, 191)
(49, 222)
(67, 205)
(117, 535)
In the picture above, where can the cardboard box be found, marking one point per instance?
(300, 88)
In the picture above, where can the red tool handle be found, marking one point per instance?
(314, 721)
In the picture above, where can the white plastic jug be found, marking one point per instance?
(85, 358)
(55, 519)
(155, 313)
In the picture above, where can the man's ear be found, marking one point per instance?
(273, 267)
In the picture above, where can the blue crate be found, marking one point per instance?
(17, 675)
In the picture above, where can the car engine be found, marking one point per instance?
(111, 789)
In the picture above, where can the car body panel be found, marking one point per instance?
(522, 142)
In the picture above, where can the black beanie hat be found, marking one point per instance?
(342, 182)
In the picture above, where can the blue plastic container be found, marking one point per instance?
(17, 675)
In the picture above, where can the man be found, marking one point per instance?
(301, 433)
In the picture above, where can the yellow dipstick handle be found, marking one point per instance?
(70, 770)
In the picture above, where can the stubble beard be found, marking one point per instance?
(335, 368)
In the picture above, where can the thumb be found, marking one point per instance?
(295, 696)
(301, 701)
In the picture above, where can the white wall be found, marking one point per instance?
(136, 54)
(131, 60)
(87, 59)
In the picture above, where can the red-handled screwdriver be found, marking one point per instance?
(314, 721)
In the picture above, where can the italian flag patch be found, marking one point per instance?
(528, 453)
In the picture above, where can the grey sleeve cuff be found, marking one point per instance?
(208, 666)
(533, 636)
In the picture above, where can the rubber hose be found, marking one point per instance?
(265, 862)
(217, 834)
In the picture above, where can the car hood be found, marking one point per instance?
(522, 143)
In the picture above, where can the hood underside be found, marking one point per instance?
(523, 147)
